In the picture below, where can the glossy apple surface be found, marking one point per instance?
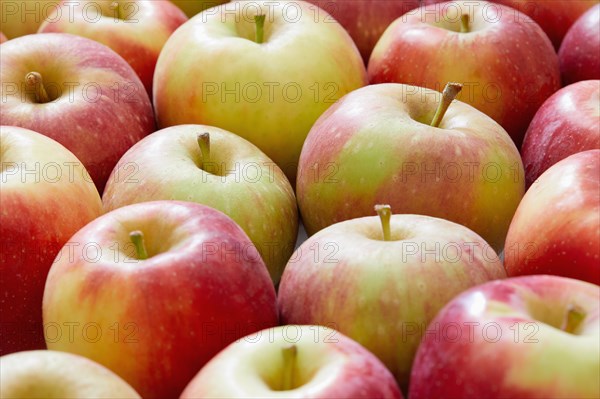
(515, 338)
(235, 178)
(46, 196)
(567, 123)
(20, 18)
(578, 55)
(326, 364)
(156, 321)
(59, 375)
(383, 293)
(96, 105)
(376, 146)
(426, 48)
(135, 29)
(556, 229)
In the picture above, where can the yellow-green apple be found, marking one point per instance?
(365, 20)
(524, 337)
(155, 290)
(46, 196)
(578, 54)
(381, 282)
(555, 17)
(77, 92)
(58, 375)
(193, 7)
(567, 123)
(24, 17)
(294, 362)
(376, 145)
(135, 29)
(217, 168)
(556, 229)
(289, 68)
(461, 42)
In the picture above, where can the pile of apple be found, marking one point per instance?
(443, 158)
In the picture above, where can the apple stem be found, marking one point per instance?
(448, 95)
(260, 28)
(289, 353)
(385, 213)
(117, 8)
(34, 79)
(137, 238)
(575, 315)
(464, 23)
(204, 144)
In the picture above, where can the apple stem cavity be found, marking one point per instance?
(137, 238)
(575, 315)
(260, 28)
(448, 95)
(35, 81)
(385, 214)
(464, 23)
(289, 353)
(204, 144)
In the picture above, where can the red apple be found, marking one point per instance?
(503, 59)
(77, 92)
(556, 229)
(2, 38)
(294, 362)
(365, 20)
(526, 337)
(567, 123)
(58, 375)
(46, 196)
(135, 29)
(154, 290)
(579, 53)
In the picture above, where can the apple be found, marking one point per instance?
(217, 168)
(578, 55)
(46, 196)
(381, 282)
(154, 290)
(504, 60)
(567, 123)
(23, 17)
(376, 145)
(294, 362)
(135, 29)
(2, 38)
(59, 375)
(556, 229)
(366, 20)
(525, 337)
(77, 92)
(193, 7)
(289, 67)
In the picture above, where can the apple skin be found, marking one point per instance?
(2, 38)
(274, 119)
(567, 123)
(328, 365)
(396, 286)
(203, 286)
(578, 55)
(39, 213)
(360, 152)
(98, 129)
(556, 229)
(366, 20)
(20, 18)
(50, 374)
(524, 355)
(138, 38)
(419, 51)
(260, 200)
(193, 7)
